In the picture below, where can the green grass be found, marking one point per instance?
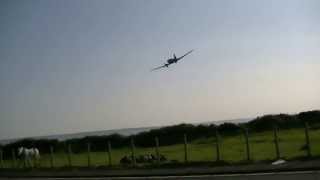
(232, 149)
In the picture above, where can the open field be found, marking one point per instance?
(233, 150)
(306, 175)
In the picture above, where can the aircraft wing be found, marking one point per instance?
(185, 55)
(158, 67)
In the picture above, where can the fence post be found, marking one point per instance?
(1, 159)
(89, 157)
(185, 148)
(157, 149)
(306, 127)
(217, 146)
(109, 153)
(276, 141)
(25, 163)
(69, 155)
(246, 135)
(13, 159)
(51, 157)
(132, 153)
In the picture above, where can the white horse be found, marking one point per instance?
(29, 155)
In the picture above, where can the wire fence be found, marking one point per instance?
(245, 147)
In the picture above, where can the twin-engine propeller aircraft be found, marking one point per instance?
(172, 60)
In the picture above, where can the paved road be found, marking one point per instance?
(305, 175)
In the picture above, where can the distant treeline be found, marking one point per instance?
(171, 134)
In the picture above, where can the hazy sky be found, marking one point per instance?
(72, 66)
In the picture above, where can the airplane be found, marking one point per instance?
(172, 60)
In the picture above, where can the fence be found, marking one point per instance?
(215, 151)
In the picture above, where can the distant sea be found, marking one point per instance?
(124, 132)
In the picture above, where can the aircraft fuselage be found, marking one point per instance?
(170, 61)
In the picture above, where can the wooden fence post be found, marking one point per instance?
(246, 135)
(89, 157)
(109, 153)
(276, 142)
(69, 155)
(25, 163)
(157, 149)
(13, 159)
(308, 147)
(51, 157)
(185, 148)
(133, 157)
(1, 159)
(217, 145)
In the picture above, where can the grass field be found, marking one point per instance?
(233, 150)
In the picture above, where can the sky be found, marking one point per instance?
(78, 65)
